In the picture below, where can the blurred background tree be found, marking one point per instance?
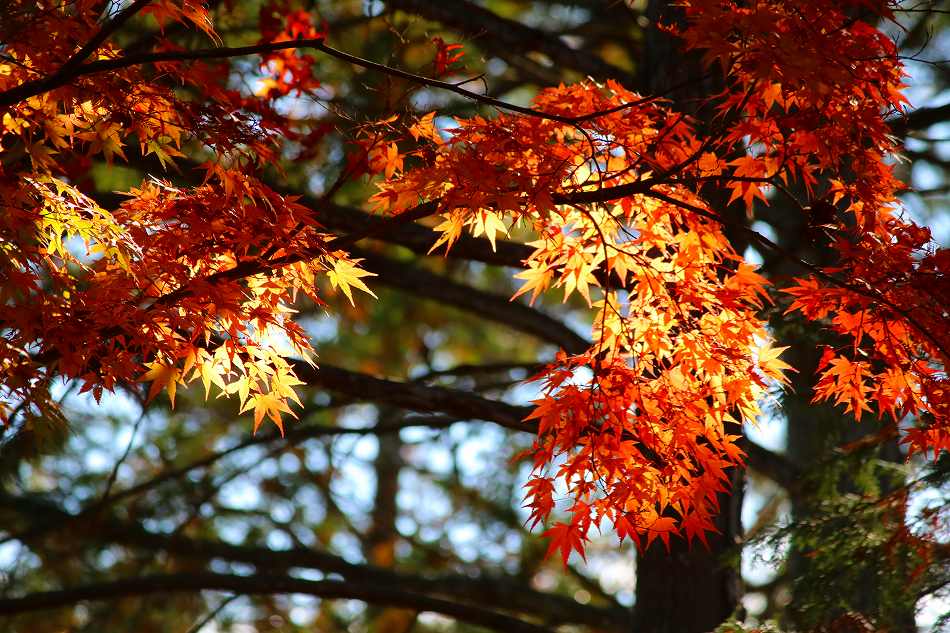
(397, 483)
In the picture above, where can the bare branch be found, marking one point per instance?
(264, 585)
(488, 305)
(461, 404)
(102, 35)
(497, 592)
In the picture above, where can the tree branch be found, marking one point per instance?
(920, 119)
(39, 86)
(471, 406)
(264, 585)
(363, 225)
(453, 402)
(491, 306)
(100, 37)
(498, 592)
(776, 467)
(418, 239)
(292, 436)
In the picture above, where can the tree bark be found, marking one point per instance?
(688, 589)
(692, 588)
(814, 430)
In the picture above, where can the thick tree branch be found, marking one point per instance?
(406, 395)
(772, 465)
(498, 308)
(266, 585)
(471, 406)
(920, 119)
(496, 592)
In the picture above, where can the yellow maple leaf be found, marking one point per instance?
(490, 224)
(210, 371)
(449, 230)
(537, 279)
(162, 376)
(270, 405)
(282, 384)
(771, 365)
(345, 275)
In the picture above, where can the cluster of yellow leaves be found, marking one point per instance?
(264, 384)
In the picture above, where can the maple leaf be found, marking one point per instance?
(344, 275)
(747, 168)
(450, 229)
(488, 224)
(537, 278)
(565, 537)
(540, 498)
(698, 526)
(163, 152)
(426, 128)
(771, 365)
(162, 376)
(267, 404)
(445, 55)
(845, 381)
(710, 164)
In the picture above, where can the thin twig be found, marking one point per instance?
(211, 615)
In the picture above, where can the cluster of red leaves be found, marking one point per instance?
(287, 70)
(815, 87)
(176, 283)
(636, 430)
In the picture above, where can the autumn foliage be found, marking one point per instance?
(621, 196)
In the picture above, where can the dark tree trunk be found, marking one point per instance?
(380, 542)
(688, 589)
(813, 432)
(692, 589)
